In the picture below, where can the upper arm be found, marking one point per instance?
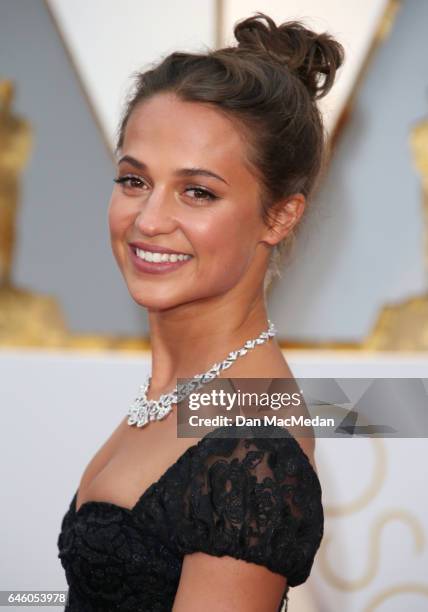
(212, 584)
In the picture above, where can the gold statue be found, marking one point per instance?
(15, 144)
(25, 318)
(419, 144)
(28, 319)
(404, 326)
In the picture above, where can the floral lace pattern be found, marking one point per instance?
(251, 498)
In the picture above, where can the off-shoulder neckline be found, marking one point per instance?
(152, 487)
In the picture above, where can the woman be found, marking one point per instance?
(217, 156)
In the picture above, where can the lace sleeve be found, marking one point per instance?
(253, 498)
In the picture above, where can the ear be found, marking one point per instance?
(284, 216)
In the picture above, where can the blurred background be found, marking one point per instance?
(352, 302)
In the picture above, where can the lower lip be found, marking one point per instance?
(156, 267)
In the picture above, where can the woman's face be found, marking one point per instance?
(185, 186)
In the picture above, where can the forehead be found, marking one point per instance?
(193, 130)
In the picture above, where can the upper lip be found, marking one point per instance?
(155, 249)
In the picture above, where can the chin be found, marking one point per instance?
(153, 300)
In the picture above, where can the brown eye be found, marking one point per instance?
(201, 194)
(129, 181)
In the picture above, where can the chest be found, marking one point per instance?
(130, 461)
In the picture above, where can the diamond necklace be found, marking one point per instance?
(143, 410)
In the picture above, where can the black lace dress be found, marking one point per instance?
(251, 498)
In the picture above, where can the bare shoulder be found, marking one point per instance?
(269, 362)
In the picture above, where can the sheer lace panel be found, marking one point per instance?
(257, 499)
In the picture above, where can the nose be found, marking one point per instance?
(156, 215)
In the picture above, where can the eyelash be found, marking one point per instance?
(125, 180)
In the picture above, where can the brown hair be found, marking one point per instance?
(268, 84)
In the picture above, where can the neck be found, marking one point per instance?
(189, 340)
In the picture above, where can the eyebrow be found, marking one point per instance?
(180, 172)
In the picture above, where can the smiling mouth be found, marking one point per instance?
(154, 257)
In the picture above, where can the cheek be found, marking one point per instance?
(118, 223)
(225, 244)
(115, 217)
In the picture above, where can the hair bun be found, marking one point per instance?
(306, 53)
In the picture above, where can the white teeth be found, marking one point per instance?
(161, 257)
